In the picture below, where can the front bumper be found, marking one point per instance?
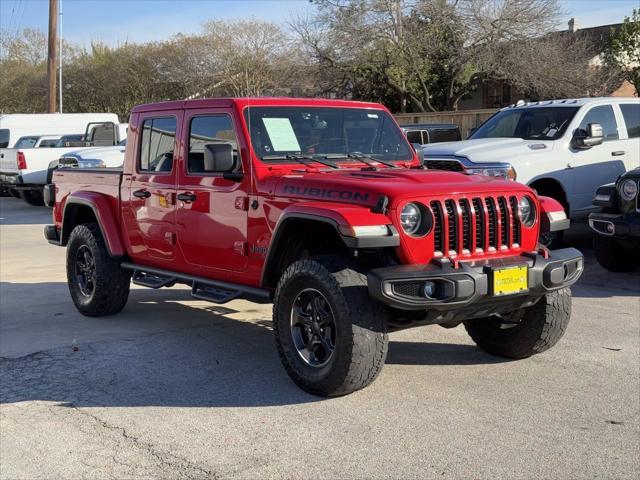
(468, 287)
(615, 225)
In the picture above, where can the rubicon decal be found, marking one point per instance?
(326, 193)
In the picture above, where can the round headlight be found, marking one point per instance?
(628, 189)
(411, 218)
(526, 211)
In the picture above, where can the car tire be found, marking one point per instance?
(97, 283)
(539, 328)
(356, 329)
(32, 197)
(614, 256)
(551, 240)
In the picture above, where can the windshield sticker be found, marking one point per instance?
(281, 134)
(372, 115)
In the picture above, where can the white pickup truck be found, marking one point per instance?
(564, 149)
(24, 172)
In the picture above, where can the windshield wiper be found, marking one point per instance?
(303, 159)
(366, 159)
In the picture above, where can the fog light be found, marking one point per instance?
(610, 228)
(429, 289)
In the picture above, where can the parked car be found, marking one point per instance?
(423, 133)
(98, 157)
(24, 171)
(70, 140)
(564, 149)
(617, 227)
(290, 201)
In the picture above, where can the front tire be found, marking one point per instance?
(97, 283)
(613, 255)
(32, 197)
(330, 335)
(538, 329)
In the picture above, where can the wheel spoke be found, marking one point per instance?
(313, 327)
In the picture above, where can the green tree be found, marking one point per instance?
(624, 49)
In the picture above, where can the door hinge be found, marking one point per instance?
(240, 248)
(242, 203)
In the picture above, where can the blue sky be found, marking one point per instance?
(117, 21)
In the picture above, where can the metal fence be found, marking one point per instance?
(465, 119)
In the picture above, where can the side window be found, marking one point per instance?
(631, 114)
(605, 117)
(209, 129)
(157, 145)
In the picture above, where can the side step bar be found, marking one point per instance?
(215, 291)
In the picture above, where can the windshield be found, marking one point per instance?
(536, 123)
(26, 142)
(319, 131)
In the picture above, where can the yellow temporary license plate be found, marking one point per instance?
(510, 280)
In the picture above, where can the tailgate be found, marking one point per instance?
(8, 162)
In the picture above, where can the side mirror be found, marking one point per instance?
(420, 152)
(219, 158)
(585, 139)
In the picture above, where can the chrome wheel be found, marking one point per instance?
(85, 271)
(313, 327)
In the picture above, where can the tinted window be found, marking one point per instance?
(4, 138)
(48, 143)
(325, 131)
(415, 136)
(605, 117)
(26, 142)
(209, 129)
(541, 123)
(157, 145)
(631, 114)
(445, 135)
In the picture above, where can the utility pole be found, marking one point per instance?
(53, 54)
(60, 57)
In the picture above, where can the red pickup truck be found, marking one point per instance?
(323, 208)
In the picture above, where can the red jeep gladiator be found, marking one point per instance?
(323, 208)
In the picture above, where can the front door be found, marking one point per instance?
(211, 215)
(150, 201)
(599, 164)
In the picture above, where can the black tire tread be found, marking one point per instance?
(112, 282)
(368, 334)
(541, 328)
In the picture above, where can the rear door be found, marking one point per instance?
(631, 116)
(149, 214)
(211, 223)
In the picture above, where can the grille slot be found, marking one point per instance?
(449, 165)
(453, 225)
(408, 289)
(480, 223)
(504, 221)
(515, 220)
(466, 225)
(493, 222)
(438, 241)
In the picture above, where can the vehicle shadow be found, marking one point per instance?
(14, 211)
(212, 356)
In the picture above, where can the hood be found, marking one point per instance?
(485, 150)
(366, 187)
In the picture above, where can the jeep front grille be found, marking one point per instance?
(475, 225)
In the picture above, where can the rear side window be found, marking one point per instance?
(631, 114)
(445, 135)
(48, 143)
(605, 117)
(4, 137)
(415, 136)
(209, 129)
(157, 145)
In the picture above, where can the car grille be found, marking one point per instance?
(475, 225)
(450, 165)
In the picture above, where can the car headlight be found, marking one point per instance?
(628, 190)
(411, 218)
(506, 171)
(526, 211)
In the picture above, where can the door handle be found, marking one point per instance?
(618, 153)
(141, 194)
(187, 197)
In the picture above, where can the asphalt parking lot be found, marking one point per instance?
(178, 388)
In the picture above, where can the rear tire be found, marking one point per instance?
(97, 283)
(357, 332)
(539, 329)
(32, 197)
(614, 256)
